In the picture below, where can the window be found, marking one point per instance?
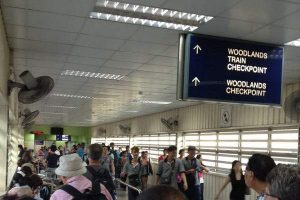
(284, 145)
(98, 140)
(154, 143)
(219, 149)
(118, 140)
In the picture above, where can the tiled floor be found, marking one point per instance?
(121, 195)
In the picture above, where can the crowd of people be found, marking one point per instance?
(90, 173)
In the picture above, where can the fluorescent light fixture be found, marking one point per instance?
(130, 111)
(67, 107)
(295, 43)
(148, 16)
(72, 96)
(53, 113)
(152, 102)
(91, 75)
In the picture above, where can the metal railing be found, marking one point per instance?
(128, 185)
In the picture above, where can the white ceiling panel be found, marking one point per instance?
(106, 70)
(108, 29)
(132, 57)
(68, 7)
(85, 60)
(291, 21)
(37, 71)
(91, 52)
(260, 11)
(202, 7)
(158, 68)
(143, 47)
(160, 60)
(292, 65)
(172, 51)
(45, 20)
(228, 27)
(37, 34)
(39, 46)
(38, 63)
(81, 67)
(155, 35)
(99, 42)
(274, 34)
(121, 64)
(292, 53)
(152, 75)
(19, 53)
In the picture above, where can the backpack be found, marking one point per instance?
(94, 194)
(104, 177)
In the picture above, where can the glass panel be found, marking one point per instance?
(224, 165)
(254, 136)
(208, 137)
(285, 145)
(228, 137)
(192, 137)
(285, 136)
(255, 144)
(228, 144)
(208, 143)
(227, 159)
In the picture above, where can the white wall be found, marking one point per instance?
(204, 116)
(3, 104)
(8, 117)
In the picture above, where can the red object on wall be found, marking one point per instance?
(37, 132)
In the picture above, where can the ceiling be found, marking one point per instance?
(50, 36)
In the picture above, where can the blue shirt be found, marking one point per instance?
(80, 152)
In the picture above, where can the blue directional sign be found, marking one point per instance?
(221, 69)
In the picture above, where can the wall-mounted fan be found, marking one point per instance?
(33, 89)
(101, 130)
(125, 128)
(29, 116)
(292, 105)
(28, 126)
(170, 123)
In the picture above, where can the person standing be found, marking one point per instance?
(163, 157)
(257, 169)
(169, 168)
(181, 154)
(132, 169)
(192, 168)
(52, 160)
(80, 151)
(200, 175)
(21, 151)
(237, 180)
(70, 172)
(146, 169)
(107, 160)
(283, 183)
(123, 160)
(95, 170)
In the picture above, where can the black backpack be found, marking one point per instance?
(104, 177)
(94, 194)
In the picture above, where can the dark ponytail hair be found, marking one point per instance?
(232, 173)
